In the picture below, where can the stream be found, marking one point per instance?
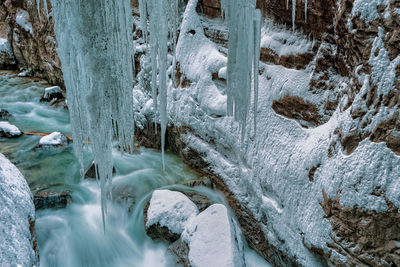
(73, 236)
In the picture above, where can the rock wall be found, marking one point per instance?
(31, 38)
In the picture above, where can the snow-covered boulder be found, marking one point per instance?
(168, 214)
(50, 93)
(9, 130)
(53, 139)
(17, 218)
(213, 239)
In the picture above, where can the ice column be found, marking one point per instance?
(244, 24)
(95, 46)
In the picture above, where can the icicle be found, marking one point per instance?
(256, 62)
(293, 14)
(305, 10)
(95, 46)
(163, 14)
(243, 50)
(38, 9)
(287, 4)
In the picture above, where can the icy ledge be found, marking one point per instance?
(16, 214)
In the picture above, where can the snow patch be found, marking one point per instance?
(171, 209)
(22, 20)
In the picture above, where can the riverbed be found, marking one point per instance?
(74, 235)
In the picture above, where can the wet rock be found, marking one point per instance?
(52, 94)
(201, 201)
(8, 130)
(48, 198)
(91, 171)
(167, 213)
(55, 139)
(124, 194)
(180, 251)
(4, 114)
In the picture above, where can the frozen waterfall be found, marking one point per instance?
(96, 50)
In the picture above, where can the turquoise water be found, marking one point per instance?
(74, 236)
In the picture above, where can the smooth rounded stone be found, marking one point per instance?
(167, 213)
(51, 94)
(124, 194)
(213, 240)
(4, 114)
(91, 171)
(48, 198)
(8, 130)
(55, 139)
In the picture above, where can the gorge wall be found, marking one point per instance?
(320, 176)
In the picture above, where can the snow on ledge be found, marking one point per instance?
(53, 139)
(170, 209)
(22, 20)
(10, 129)
(16, 209)
(212, 239)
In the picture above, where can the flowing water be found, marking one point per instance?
(74, 236)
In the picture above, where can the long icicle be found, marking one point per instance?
(95, 46)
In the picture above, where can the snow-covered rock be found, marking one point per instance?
(17, 217)
(213, 240)
(50, 93)
(53, 139)
(170, 209)
(9, 130)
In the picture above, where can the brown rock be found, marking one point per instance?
(47, 198)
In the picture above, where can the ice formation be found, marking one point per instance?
(244, 23)
(96, 50)
(163, 15)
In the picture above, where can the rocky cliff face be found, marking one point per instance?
(317, 183)
(31, 38)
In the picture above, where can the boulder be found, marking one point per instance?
(51, 94)
(167, 214)
(55, 139)
(213, 240)
(18, 246)
(8, 130)
(48, 198)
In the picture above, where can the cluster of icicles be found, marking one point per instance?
(96, 50)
